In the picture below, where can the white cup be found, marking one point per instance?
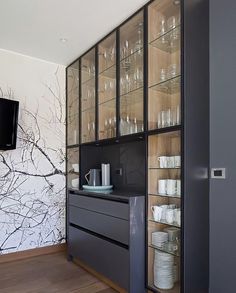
(162, 183)
(171, 187)
(177, 161)
(171, 162)
(163, 162)
(75, 183)
(172, 206)
(75, 167)
(177, 216)
(178, 187)
(170, 216)
(157, 212)
(164, 209)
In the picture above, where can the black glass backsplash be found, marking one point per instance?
(127, 162)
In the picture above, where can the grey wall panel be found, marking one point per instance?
(223, 145)
(196, 146)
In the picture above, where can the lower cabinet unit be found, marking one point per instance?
(106, 232)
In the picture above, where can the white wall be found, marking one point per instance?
(32, 180)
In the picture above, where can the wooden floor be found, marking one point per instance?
(48, 274)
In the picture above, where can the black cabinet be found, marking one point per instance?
(143, 98)
(108, 234)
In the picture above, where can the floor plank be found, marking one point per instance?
(48, 274)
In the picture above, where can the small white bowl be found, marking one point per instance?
(75, 183)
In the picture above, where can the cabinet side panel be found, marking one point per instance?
(196, 146)
(222, 145)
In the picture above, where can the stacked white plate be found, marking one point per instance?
(163, 270)
(159, 238)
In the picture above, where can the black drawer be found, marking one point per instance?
(105, 206)
(111, 227)
(106, 258)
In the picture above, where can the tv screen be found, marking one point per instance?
(8, 123)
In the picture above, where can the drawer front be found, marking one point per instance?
(106, 258)
(108, 207)
(113, 228)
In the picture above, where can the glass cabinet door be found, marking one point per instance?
(88, 97)
(164, 211)
(73, 104)
(107, 88)
(131, 76)
(164, 149)
(73, 168)
(164, 64)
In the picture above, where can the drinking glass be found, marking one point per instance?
(105, 56)
(174, 39)
(163, 74)
(163, 119)
(173, 70)
(160, 24)
(139, 43)
(172, 22)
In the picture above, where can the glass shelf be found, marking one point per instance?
(165, 195)
(131, 62)
(158, 168)
(132, 56)
(168, 42)
(169, 86)
(109, 72)
(164, 223)
(164, 249)
(132, 97)
(89, 80)
(88, 109)
(107, 102)
(132, 92)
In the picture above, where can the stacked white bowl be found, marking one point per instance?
(163, 270)
(159, 238)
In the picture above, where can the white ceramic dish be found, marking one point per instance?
(97, 188)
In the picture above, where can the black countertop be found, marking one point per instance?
(116, 194)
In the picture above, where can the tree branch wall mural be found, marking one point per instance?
(32, 177)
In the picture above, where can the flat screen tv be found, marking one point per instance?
(8, 123)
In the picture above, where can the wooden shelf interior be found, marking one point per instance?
(159, 101)
(164, 144)
(160, 63)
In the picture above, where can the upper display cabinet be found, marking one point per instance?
(131, 102)
(164, 64)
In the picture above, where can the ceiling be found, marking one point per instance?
(35, 27)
